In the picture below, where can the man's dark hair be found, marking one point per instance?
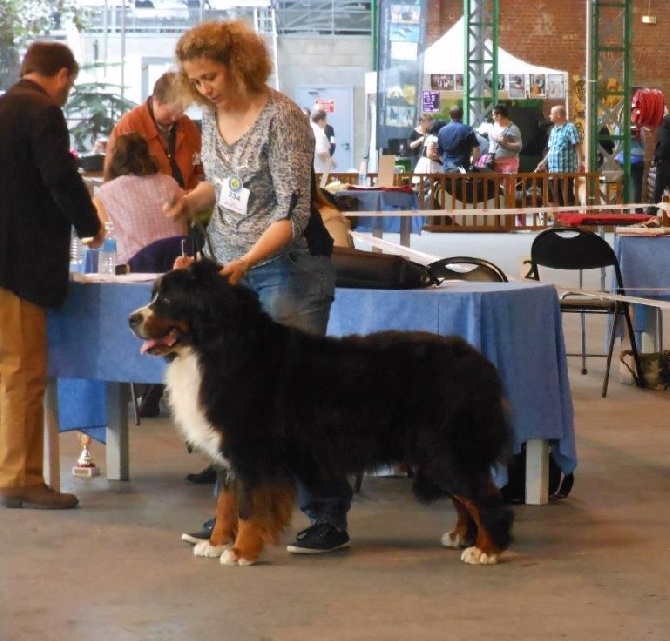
(501, 110)
(318, 115)
(48, 58)
(456, 113)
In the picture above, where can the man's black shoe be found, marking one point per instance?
(195, 537)
(318, 539)
(206, 477)
(150, 405)
(149, 410)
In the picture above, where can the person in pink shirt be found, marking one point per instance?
(134, 195)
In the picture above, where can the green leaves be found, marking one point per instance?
(21, 21)
(94, 107)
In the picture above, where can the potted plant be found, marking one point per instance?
(94, 108)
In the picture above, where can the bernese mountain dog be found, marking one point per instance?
(273, 403)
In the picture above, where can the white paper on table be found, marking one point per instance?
(109, 278)
(642, 231)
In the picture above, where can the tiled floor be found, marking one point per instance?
(593, 567)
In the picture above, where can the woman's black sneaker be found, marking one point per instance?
(195, 537)
(319, 538)
(206, 477)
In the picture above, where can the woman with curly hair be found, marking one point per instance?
(257, 151)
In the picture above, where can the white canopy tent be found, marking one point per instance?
(447, 55)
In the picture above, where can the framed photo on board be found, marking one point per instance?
(538, 84)
(556, 86)
(442, 81)
(517, 85)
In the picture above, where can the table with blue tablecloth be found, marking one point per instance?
(645, 269)
(386, 199)
(516, 325)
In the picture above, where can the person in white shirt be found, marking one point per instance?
(323, 161)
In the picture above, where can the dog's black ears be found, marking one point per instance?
(205, 270)
(205, 267)
(199, 272)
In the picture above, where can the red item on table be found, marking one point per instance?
(575, 219)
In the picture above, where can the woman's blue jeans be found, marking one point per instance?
(297, 289)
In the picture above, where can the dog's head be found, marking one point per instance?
(189, 307)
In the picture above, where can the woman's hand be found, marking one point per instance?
(182, 262)
(235, 270)
(177, 208)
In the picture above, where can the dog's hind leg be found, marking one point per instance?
(494, 525)
(225, 526)
(263, 512)
(464, 531)
(248, 544)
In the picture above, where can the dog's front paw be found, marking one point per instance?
(203, 548)
(474, 556)
(230, 557)
(452, 540)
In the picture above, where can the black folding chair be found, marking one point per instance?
(480, 270)
(569, 248)
(159, 256)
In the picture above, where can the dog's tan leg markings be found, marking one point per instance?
(271, 511)
(248, 544)
(224, 528)
(278, 512)
(483, 552)
(456, 538)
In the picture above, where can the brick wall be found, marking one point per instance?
(552, 33)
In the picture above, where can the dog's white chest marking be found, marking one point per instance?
(183, 378)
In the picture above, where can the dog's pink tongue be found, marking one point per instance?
(168, 340)
(147, 345)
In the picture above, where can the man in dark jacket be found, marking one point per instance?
(41, 196)
(457, 144)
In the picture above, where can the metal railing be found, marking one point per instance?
(323, 17)
(328, 17)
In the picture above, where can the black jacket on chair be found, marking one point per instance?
(41, 196)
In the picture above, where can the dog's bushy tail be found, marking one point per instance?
(273, 509)
(426, 490)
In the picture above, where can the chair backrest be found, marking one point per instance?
(159, 256)
(572, 248)
(481, 270)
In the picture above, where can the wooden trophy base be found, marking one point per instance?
(85, 472)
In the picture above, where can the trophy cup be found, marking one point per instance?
(85, 467)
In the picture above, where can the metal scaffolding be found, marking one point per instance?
(608, 87)
(480, 78)
(265, 24)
